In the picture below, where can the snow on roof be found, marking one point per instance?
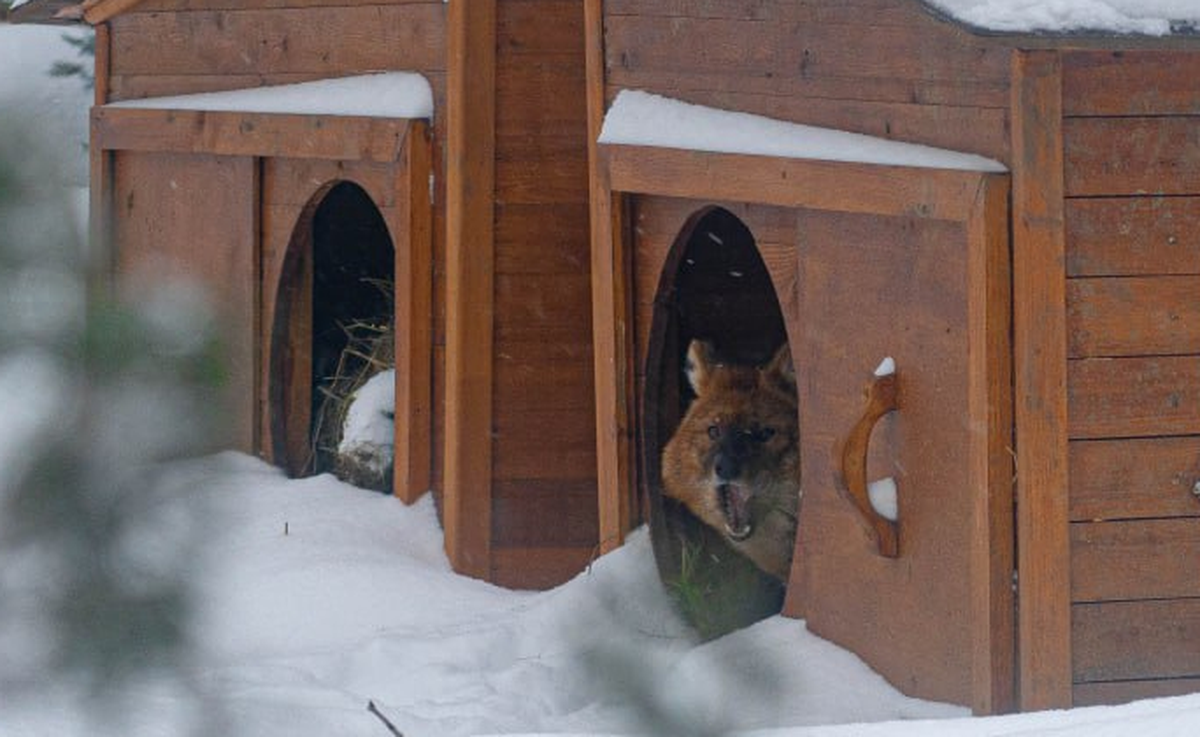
(643, 119)
(1146, 17)
(387, 95)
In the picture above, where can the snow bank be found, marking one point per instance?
(643, 119)
(386, 95)
(1148, 17)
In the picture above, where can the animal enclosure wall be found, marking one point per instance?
(507, 432)
(1104, 261)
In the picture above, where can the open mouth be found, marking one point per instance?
(735, 505)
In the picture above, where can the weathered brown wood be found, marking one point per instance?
(250, 134)
(1134, 316)
(1131, 156)
(537, 568)
(324, 40)
(896, 613)
(825, 185)
(545, 513)
(542, 239)
(1134, 397)
(544, 444)
(102, 69)
(1116, 641)
(194, 218)
(548, 307)
(1131, 236)
(1040, 381)
(1130, 82)
(292, 182)
(470, 263)
(990, 387)
(413, 323)
(765, 56)
(98, 11)
(1124, 479)
(1121, 692)
(1136, 559)
(545, 376)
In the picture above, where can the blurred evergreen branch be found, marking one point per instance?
(99, 543)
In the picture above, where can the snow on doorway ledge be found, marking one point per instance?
(643, 119)
(387, 95)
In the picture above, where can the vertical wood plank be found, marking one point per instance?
(103, 64)
(413, 319)
(990, 417)
(470, 256)
(1040, 362)
(611, 318)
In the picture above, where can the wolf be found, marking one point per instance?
(734, 461)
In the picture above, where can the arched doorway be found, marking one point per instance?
(714, 286)
(337, 276)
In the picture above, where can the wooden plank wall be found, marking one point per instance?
(922, 80)
(167, 202)
(1132, 172)
(211, 45)
(544, 512)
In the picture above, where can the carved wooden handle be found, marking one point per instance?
(881, 399)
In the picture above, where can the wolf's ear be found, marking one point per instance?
(781, 370)
(699, 365)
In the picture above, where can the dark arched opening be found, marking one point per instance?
(714, 286)
(337, 274)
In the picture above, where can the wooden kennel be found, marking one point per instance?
(1044, 422)
(485, 203)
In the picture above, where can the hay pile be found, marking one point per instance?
(364, 460)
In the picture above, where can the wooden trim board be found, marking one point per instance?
(250, 134)
(470, 277)
(1040, 382)
(941, 194)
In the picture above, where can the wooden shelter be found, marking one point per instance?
(1043, 424)
(477, 211)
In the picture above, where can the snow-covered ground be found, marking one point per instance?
(318, 598)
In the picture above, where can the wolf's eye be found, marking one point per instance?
(714, 431)
(764, 434)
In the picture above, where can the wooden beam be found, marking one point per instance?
(249, 134)
(990, 415)
(414, 319)
(99, 11)
(612, 319)
(102, 69)
(1040, 381)
(470, 277)
(940, 194)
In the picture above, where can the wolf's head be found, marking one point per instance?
(734, 460)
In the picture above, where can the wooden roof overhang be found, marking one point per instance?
(238, 133)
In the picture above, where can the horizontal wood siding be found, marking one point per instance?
(924, 80)
(1132, 170)
(544, 511)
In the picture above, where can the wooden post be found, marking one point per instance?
(610, 314)
(1040, 363)
(470, 267)
(990, 415)
(414, 319)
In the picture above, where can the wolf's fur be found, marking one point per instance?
(734, 461)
